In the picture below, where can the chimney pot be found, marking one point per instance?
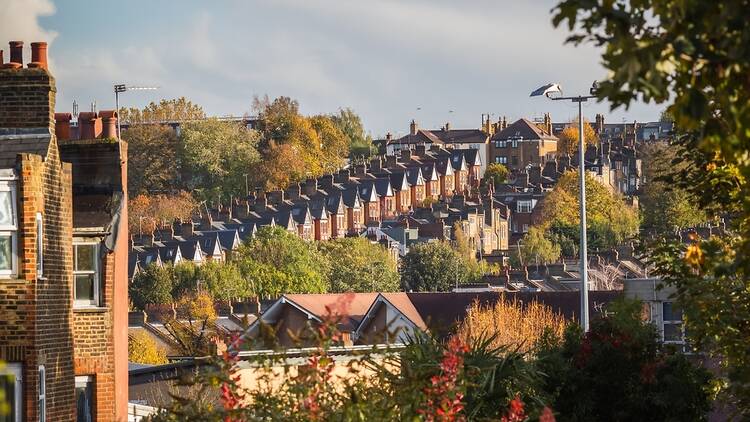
(39, 55)
(109, 120)
(2, 61)
(62, 125)
(16, 52)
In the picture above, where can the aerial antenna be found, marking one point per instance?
(75, 109)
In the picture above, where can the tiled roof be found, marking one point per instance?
(525, 129)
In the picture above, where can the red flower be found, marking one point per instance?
(547, 415)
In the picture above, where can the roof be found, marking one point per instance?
(460, 136)
(525, 129)
(352, 306)
(18, 141)
(404, 305)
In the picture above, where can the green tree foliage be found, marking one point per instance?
(334, 143)
(153, 285)
(276, 261)
(495, 173)
(142, 348)
(666, 206)
(349, 122)
(537, 249)
(174, 110)
(217, 157)
(608, 218)
(620, 360)
(358, 265)
(153, 159)
(434, 267)
(223, 281)
(694, 57)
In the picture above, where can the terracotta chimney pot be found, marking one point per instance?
(62, 125)
(2, 61)
(16, 52)
(38, 55)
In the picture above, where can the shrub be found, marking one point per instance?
(142, 348)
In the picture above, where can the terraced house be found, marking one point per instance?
(63, 253)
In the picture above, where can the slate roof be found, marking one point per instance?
(18, 141)
(460, 136)
(414, 176)
(525, 129)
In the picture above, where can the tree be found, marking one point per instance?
(609, 219)
(620, 360)
(568, 138)
(360, 144)
(178, 109)
(153, 285)
(218, 157)
(276, 262)
(495, 173)
(223, 281)
(194, 328)
(149, 212)
(666, 206)
(433, 267)
(142, 348)
(511, 323)
(358, 265)
(335, 144)
(537, 249)
(153, 159)
(700, 70)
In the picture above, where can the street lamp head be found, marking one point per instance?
(594, 88)
(547, 90)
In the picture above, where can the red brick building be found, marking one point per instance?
(63, 253)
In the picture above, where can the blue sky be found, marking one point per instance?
(385, 59)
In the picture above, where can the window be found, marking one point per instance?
(11, 388)
(39, 244)
(525, 228)
(514, 143)
(42, 394)
(500, 144)
(501, 160)
(672, 323)
(86, 274)
(8, 229)
(523, 206)
(85, 398)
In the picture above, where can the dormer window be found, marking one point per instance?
(8, 230)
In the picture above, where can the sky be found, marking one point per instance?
(391, 61)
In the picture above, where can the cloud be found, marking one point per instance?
(19, 21)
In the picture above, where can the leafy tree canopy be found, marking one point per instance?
(153, 159)
(177, 109)
(568, 143)
(537, 249)
(358, 265)
(148, 212)
(495, 173)
(349, 122)
(434, 267)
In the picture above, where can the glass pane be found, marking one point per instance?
(85, 257)
(672, 312)
(84, 403)
(6, 208)
(8, 391)
(85, 287)
(672, 332)
(6, 253)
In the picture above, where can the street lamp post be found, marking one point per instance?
(549, 91)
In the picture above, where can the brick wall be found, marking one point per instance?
(25, 100)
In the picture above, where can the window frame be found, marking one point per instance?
(97, 287)
(39, 245)
(680, 323)
(11, 230)
(15, 369)
(85, 381)
(521, 206)
(42, 399)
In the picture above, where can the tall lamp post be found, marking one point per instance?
(119, 88)
(554, 92)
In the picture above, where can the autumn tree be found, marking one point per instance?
(334, 143)
(496, 174)
(349, 122)
(218, 156)
(173, 110)
(142, 348)
(694, 58)
(610, 221)
(568, 138)
(434, 267)
(511, 323)
(152, 285)
(276, 262)
(149, 212)
(358, 265)
(153, 159)
(222, 280)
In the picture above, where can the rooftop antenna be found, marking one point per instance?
(93, 106)
(75, 109)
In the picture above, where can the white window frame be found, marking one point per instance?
(15, 369)
(42, 402)
(671, 322)
(11, 229)
(500, 159)
(39, 245)
(97, 275)
(524, 206)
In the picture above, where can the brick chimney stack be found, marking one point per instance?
(27, 96)
(413, 127)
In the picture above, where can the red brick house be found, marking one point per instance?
(63, 253)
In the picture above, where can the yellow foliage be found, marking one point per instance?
(143, 349)
(196, 307)
(568, 143)
(511, 323)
